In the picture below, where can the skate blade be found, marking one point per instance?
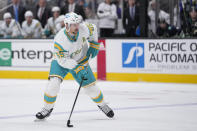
(39, 120)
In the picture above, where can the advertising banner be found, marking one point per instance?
(32, 53)
(29, 55)
(101, 61)
(177, 56)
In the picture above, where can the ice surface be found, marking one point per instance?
(137, 106)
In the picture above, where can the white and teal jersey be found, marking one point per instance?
(74, 47)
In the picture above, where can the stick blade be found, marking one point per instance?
(68, 124)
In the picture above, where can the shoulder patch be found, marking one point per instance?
(38, 24)
(90, 28)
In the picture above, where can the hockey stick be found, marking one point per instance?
(4, 8)
(185, 17)
(68, 121)
(20, 30)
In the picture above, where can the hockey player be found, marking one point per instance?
(50, 28)
(10, 28)
(166, 30)
(192, 22)
(73, 45)
(31, 27)
(161, 15)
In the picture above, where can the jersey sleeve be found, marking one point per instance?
(59, 51)
(16, 30)
(24, 33)
(38, 30)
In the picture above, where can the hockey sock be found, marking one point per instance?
(95, 94)
(51, 92)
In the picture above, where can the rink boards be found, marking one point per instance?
(150, 60)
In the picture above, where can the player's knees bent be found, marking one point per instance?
(53, 86)
(54, 82)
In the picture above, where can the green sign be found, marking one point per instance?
(5, 54)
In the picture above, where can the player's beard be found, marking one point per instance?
(75, 31)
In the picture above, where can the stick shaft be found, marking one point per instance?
(4, 8)
(76, 99)
(77, 94)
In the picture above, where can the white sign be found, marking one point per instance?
(176, 56)
(34, 55)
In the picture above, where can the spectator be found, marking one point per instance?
(50, 28)
(81, 2)
(17, 11)
(118, 7)
(107, 17)
(10, 28)
(89, 13)
(42, 13)
(125, 4)
(28, 4)
(161, 15)
(71, 6)
(62, 4)
(59, 3)
(31, 28)
(166, 30)
(192, 22)
(131, 19)
(79, 9)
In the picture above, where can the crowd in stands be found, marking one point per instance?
(41, 19)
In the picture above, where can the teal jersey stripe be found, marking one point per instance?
(71, 40)
(98, 99)
(50, 99)
(85, 60)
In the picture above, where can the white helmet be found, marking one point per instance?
(80, 19)
(28, 13)
(7, 15)
(71, 18)
(56, 8)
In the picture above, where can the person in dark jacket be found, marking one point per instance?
(42, 12)
(192, 22)
(131, 19)
(17, 11)
(71, 6)
(164, 30)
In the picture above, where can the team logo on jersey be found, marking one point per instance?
(84, 40)
(133, 55)
(91, 28)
